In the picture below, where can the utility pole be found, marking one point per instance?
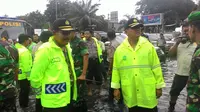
(56, 9)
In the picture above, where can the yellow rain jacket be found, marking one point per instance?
(138, 73)
(50, 73)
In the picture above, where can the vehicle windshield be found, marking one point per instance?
(13, 28)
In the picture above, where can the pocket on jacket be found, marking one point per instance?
(150, 87)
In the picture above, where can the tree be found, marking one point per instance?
(83, 14)
(129, 16)
(174, 10)
(124, 21)
(35, 18)
(61, 6)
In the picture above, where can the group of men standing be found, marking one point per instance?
(62, 65)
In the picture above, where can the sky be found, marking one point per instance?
(14, 8)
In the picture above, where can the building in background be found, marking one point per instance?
(113, 21)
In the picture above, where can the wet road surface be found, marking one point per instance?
(99, 103)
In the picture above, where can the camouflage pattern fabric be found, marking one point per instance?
(79, 49)
(193, 88)
(8, 63)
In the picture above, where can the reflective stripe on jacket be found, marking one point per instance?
(99, 50)
(138, 73)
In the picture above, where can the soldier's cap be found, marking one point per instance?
(62, 24)
(133, 23)
(194, 16)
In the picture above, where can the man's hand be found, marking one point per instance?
(117, 94)
(158, 93)
(81, 77)
(178, 41)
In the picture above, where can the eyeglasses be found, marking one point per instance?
(65, 32)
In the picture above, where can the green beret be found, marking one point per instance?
(194, 16)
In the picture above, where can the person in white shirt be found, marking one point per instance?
(183, 50)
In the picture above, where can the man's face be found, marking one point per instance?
(63, 37)
(133, 32)
(192, 34)
(3, 39)
(27, 43)
(35, 38)
(87, 34)
(185, 30)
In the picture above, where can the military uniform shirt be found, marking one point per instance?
(9, 58)
(193, 88)
(79, 49)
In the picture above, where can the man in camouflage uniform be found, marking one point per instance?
(193, 89)
(8, 70)
(80, 56)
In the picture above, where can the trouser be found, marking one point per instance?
(103, 71)
(24, 93)
(38, 105)
(178, 84)
(8, 105)
(94, 70)
(80, 105)
(62, 109)
(140, 109)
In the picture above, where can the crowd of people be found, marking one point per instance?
(61, 67)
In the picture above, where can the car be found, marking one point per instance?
(168, 37)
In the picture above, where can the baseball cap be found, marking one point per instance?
(194, 16)
(62, 24)
(132, 23)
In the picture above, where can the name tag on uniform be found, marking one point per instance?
(56, 59)
(124, 58)
(55, 88)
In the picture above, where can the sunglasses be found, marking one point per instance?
(65, 32)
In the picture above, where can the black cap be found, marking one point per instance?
(62, 24)
(133, 22)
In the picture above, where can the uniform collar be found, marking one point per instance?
(20, 45)
(141, 41)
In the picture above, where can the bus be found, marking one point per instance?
(15, 27)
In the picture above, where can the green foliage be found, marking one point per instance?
(82, 14)
(62, 9)
(174, 10)
(35, 18)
